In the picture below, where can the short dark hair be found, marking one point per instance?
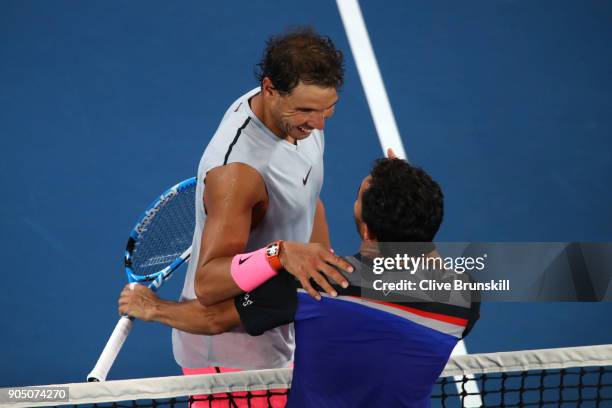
(301, 55)
(402, 203)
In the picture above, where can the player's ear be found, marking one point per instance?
(366, 233)
(267, 87)
(369, 244)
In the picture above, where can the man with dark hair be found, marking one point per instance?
(352, 350)
(391, 209)
(259, 182)
(301, 56)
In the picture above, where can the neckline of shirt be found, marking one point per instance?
(260, 124)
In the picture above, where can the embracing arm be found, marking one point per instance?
(231, 195)
(189, 316)
(235, 197)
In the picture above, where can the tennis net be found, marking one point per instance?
(563, 377)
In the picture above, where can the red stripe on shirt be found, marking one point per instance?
(458, 321)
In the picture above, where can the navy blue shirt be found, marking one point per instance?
(352, 351)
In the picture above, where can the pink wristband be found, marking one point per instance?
(251, 270)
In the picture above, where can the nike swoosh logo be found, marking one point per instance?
(241, 261)
(305, 180)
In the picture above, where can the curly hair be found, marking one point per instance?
(402, 203)
(301, 55)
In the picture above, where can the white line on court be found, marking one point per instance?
(384, 121)
(372, 82)
(471, 386)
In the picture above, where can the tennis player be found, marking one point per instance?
(351, 351)
(263, 172)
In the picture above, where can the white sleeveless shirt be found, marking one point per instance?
(293, 175)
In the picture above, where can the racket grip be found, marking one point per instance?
(112, 348)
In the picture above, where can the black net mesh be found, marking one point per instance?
(571, 387)
(253, 399)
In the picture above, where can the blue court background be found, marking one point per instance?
(103, 104)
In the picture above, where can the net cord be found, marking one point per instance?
(257, 380)
(542, 359)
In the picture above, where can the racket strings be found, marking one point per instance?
(167, 235)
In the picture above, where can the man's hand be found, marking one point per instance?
(391, 154)
(189, 315)
(312, 261)
(138, 301)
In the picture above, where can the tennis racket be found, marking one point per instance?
(158, 245)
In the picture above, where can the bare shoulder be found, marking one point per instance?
(234, 185)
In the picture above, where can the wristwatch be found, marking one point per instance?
(273, 255)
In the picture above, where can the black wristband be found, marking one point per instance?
(272, 304)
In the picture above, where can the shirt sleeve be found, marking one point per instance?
(272, 304)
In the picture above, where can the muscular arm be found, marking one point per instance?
(193, 317)
(189, 316)
(232, 194)
(235, 199)
(320, 231)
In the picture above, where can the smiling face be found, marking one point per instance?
(295, 115)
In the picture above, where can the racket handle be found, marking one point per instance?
(112, 348)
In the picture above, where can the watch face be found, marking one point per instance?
(272, 250)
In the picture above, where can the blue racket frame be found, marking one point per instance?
(125, 323)
(145, 219)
